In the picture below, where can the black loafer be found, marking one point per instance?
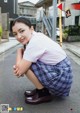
(29, 93)
(37, 100)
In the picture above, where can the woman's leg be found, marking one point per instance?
(41, 95)
(32, 77)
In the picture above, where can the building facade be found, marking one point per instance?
(74, 19)
(8, 13)
(47, 5)
(9, 6)
(28, 10)
(44, 23)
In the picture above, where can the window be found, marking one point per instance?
(76, 20)
(5, 1)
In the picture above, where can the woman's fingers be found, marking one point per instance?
(16, 71)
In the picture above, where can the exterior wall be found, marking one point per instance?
(39, 17)
(4, 22)
(5, 25)
(0, 16)
(9, 6)
(71, 20)
(0, 24)
(26, 9)
(39, 14)
(51, 11)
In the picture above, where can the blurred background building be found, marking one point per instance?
(9, 10)
(28, 10)
(40, 14)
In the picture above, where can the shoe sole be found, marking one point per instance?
(47, 99)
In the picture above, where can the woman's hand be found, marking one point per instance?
(16, 71)
(19, 56)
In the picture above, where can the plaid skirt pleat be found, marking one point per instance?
(56, 78)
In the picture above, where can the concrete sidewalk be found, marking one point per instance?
(73, 47)
(6, 45)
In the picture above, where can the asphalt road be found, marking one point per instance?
(12, 90)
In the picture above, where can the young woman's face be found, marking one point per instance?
(22, 32)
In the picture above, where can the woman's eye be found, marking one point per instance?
(21, 31)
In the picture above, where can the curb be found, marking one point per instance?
(9, 49)
(73, 49)
(74, 52)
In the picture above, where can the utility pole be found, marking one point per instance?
(60, 23)
(54, 19)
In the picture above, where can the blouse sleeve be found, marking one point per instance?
(34, 50)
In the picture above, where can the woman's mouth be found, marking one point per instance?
(22, 39)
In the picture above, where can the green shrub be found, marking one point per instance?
(65, 36)
(1, 31)
(65, 33)
(74, 30)
(66, 30)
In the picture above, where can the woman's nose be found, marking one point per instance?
(19, 36)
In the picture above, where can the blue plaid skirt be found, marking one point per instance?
(56, 78)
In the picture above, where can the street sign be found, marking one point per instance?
(68, 13)
(60, 6)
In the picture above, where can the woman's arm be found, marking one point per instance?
(19, 56)
(21, 65)
(18, 59)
